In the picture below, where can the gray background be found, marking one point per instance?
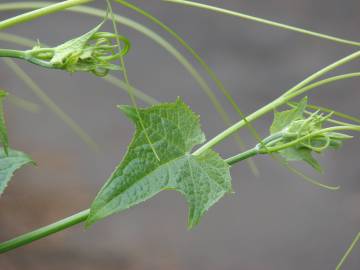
(276, 221)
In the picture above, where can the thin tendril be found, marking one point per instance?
(126, 79)
(328, 110)
(348, 252)
(211, 74)
(308, 179)
(264, 21)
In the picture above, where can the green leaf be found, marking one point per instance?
(284, 118)
(289, 120)
(72, 47)
(9, 163)
(3, 130)
(301, 154)
(173, 130)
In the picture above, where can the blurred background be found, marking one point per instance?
(274, 221)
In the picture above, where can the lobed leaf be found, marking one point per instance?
(73, 46)
(9, 163)
(285, 118)
(173, 130)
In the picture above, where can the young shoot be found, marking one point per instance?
(94, 52)
(295, 135)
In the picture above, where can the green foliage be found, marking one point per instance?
(292, 126)
(285, 118)
(174, 130)
(9, 163)
(92, 52)
(10, 160)
(170, 131)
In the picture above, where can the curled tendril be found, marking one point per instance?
(318, 143)
(296, 137)
(92, 52)
(305, 127)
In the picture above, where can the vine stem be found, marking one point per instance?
(293, 92)
(288, 95)
(41, 12)
(12, 54)
(24, 56)
(80, 217)
(44, 231)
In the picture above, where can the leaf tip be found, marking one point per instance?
(129, 111)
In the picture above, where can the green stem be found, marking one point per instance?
(242, 156)
(24, 55)
(263, 144)
(321, 83)
(40, 12)
(264, 21)
(82, 216)
(290, 94)
(13, 54)
(44, 231)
